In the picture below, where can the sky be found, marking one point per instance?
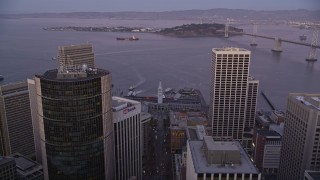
(36, 6)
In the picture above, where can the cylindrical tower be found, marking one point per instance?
(75, 121)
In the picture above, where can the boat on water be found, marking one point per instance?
(131, 88)
(303, 37)
(1, 78)
(254, 44)
(167, 90)
(132, 91)
(132, 38)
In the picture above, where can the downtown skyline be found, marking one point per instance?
(59, 6)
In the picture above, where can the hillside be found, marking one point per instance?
(196, 30)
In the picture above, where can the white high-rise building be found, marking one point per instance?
(233, 95)
(128, 138)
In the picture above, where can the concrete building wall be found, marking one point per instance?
(15, 120)
(301, 137)
(229, 94)
(128, 140)
(271, 157)
(191, 174)
(35, 120)
(76, 55)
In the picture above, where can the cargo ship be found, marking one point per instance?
(132, 38)
(1, 77)
(303, 37)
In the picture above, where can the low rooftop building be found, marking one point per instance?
(27, 169)
(311, 175)
(218, 160)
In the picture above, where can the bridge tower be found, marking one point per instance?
(314, 42)
(277, 45)
(254, 32)
(160, 93)
(226, 29)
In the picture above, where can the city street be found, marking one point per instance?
(158, 165)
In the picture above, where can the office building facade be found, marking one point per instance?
(8, 168)
(233, 95)
(301, 137)
(75, 123)
(15, 120)
(128, 138)
(267, 148)
(76, 55)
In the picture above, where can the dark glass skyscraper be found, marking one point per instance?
(75, 122)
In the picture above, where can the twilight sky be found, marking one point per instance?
(31, 6)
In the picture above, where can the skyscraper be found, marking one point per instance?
(128, 138)
(15, 120)
(75, 122)
(233, 95)
(300, 145)
(76, 55)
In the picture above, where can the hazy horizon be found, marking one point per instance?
(62, 6)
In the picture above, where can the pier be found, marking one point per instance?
(268, 100)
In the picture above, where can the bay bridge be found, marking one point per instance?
(278, 41)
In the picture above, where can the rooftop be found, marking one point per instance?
(314, 174)
(192, 134)
(13, 88)
(71, 47)
(201, 165)
(230, 49)
(277, 128)
(219, 145)
(311, 100)
(52, 75)
(183, 119)
(119, 103)
(5, 160)
(269, 133)
(26, 167)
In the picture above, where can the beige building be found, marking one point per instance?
(233, 96)
(208, 159)
(76, 55)
(16, 132)
(300, 145)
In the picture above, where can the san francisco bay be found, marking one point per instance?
(26, 49)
